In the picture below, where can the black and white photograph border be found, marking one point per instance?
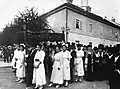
(64, 44)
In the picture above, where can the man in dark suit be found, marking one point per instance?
(101, 61)
(89, 71)
(29, 67)
(109, 62)
(73, 54)
(115, 72)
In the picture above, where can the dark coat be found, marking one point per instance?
(89, 71)
(73, 54)
(96, 67)
(115, 76)
(30, 61)
(29, 67)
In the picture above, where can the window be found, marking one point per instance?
(116, 35)
(101, 30)
(90, 27)
(78, 24)
(110, 33)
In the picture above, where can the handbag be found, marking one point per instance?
(37, 63)
(36, 60)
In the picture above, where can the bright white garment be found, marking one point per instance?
(16, 54)
(57, 72)
(79, 63)
(20, 64)
(39, 73)
(116, 58)
(65, 57)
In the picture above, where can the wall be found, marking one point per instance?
(57, 20)
(100, 32)
(84, 39)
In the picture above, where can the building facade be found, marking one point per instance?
(83, 26)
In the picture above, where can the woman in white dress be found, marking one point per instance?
(20, 73)
(57, 72)
(65, 57)
(39, 78)
(16, 52)
(79, 64)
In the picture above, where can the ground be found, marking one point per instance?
(7, 81)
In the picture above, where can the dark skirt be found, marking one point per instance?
(114, 81)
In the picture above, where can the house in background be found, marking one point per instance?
(81, 25)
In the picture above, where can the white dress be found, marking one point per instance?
(16, 53)
(39, 73)
(57, 72)
(65, 57)
(20, 64)
(79, 63)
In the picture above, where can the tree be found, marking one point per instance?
(28, 20)
(8, 35)
(31, 20)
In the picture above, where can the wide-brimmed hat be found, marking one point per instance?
(95, 48)
(79, 45)
(100, 46)
(65, 44)
(89, 45)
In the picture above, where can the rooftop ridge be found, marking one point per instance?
(78, 9)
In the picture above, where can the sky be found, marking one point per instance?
(10, 8)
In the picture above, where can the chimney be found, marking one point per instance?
(105, 17)
(86, 8)
(69, 1)
(113, 19)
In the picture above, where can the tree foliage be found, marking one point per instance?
(31, 20)
(27, 20)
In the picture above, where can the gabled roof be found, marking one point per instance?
(81, 11)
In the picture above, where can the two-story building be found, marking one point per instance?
(81, 25)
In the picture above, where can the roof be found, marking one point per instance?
(79, 10)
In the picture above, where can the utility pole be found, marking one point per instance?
(25, 37)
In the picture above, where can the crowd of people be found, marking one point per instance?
(58, 64)
(6, 52)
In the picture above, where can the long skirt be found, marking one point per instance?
(20, 69)
(21, 72)
(79, 68)
(57, 73)
(115, 80)
(39, 76)
(66, 72)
